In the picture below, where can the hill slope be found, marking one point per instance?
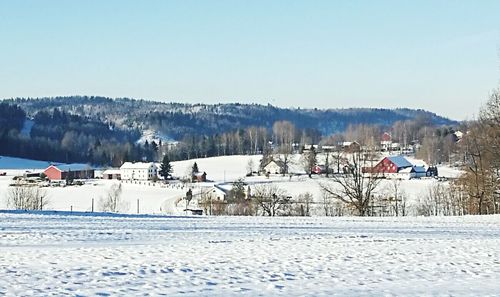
(177, 119)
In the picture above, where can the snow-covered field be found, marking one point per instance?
(159, 198)
(81, 255)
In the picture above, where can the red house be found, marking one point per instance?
(386, 137)
(69, 171)
(391, 164)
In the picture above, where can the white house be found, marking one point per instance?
(138, 171)
(274, 167)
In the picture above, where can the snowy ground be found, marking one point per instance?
(160, 198)
(47, 254)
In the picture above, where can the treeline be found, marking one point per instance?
(104, 131)
(59, 136)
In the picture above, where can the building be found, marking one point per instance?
(69, 171)
(138, 171)
(112, 174)
(274, 167)
(199, 177)
(392, 164)
(386, 141)
(319, 169)
(413, 172)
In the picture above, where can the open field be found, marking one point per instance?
(47, 254)
(155, 198)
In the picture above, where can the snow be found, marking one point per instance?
(64, 254)
(20, 163)
(155, 198)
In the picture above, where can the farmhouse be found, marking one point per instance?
(274, 167)
(138, 171)
(199, 177)
(69, 171)
(112, 174)
(413, 172)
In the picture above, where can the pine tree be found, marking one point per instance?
(165, 167)
(195, 168)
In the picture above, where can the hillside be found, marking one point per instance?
(177, 119)
(105, 131)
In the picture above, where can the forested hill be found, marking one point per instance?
(178, 119)
(106, 131)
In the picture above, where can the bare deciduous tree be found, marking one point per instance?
(355, 187)
(284, 133)
(397, 198)
(27, 197)
(113, 201)
(271, 199)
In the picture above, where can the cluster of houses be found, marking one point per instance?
(141, 171)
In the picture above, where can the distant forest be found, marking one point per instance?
(104, 131)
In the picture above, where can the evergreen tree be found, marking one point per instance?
(165, 167)
(195, 168)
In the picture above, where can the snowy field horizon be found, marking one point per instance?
(69, 254)
(157, 249)
(158, 198)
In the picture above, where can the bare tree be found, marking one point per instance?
(27, 197)
(355, 187)
(435, 201)
(302, 205)
(250, 167)
(113, 202)
(397, 198)
(270, 199)
(309, 160)
(480, 178)
(284, 133)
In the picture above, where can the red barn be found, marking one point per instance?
(391, 164)
(70, 171)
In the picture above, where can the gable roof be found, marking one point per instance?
(400, 161)
(279, 163)
(418, 169)
(111, 171)
(137, 165)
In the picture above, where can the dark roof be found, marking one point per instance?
(418, 169)
(400, 161)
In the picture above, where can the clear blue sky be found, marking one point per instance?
(442, 56)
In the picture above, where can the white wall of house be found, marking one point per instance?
(273, 168)
(138, 171)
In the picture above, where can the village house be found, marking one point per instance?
(199, 177)
(274, 167)
(138, 171)
(386, 141)
(412, 172)
(69, 171)
(112, 174)
(350, 146)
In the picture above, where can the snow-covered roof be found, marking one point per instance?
(112, 171)
(406, 170)
(72, 167)
(137, 165)
(400, 161)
